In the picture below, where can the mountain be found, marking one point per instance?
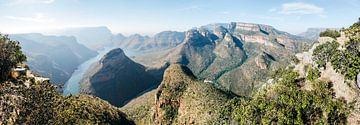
(118, 79)
(180, 99)
(160, 41)
(92, 37)
(55, 57)
(313, 33)
(235, 57)
(27, 98)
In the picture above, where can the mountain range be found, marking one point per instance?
(236, 58)
(55, 57)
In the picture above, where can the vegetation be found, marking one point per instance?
(312, 73)
(10, 56)
(40, 103)
(27, 101)
(324, 52)
(286, 103)
(346, 60)
(330, 33)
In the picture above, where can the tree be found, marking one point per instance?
(10, 56)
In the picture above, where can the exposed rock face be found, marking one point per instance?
(227, 54)
(55, 57)
(180, 99)
(161, 41)
(118, 79)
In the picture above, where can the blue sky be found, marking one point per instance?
(152, 16)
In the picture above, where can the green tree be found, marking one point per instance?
(10, 56)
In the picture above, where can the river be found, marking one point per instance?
(72, 86)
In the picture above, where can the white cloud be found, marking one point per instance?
(190, 8)
(300, 8)
(272, 10)
(19, 2)
(38, 18)
(225, 12)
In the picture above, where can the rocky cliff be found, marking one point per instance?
(229, 55)
(118, 79)
(180, 99)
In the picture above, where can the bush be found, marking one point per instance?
(324, 52)
(312, 73)
(286, 103)
(10, 56)
(330, 33)
(345, 61)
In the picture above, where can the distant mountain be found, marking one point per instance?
(118, 79)
(180, 99)
(92, 37)
(160, 41)
(313, 33)
(236, 56)
(55, 57)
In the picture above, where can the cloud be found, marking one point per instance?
(272, 10)
(19, 2)
(190, 8)
(300, 8)
(225, 12)
(38, 18)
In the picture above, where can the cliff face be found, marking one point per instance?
(180, 99)
(117, 79)
(230, 55)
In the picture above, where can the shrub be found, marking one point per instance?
(312, 73)
(324, 52)
(345, 61)
(330, 33)
(285, 103)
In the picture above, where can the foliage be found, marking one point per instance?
(40, 103)
(345, 61)
(312, 73)
(330, 33)
(10, 56)
(324, 52)
(286, 103)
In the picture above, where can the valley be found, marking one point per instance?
(117, 62)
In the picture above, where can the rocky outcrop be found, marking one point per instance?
(118, 79)
(224, 54)
(29, 101)
(180, 99)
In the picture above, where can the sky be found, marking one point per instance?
(148, 17)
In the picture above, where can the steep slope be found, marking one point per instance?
(180, 99)
(234, 56)
(117, 79)
(55, 57)
(30, 101)
(26, 98)
(326, 56)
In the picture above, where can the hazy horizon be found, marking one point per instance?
(150, 17)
